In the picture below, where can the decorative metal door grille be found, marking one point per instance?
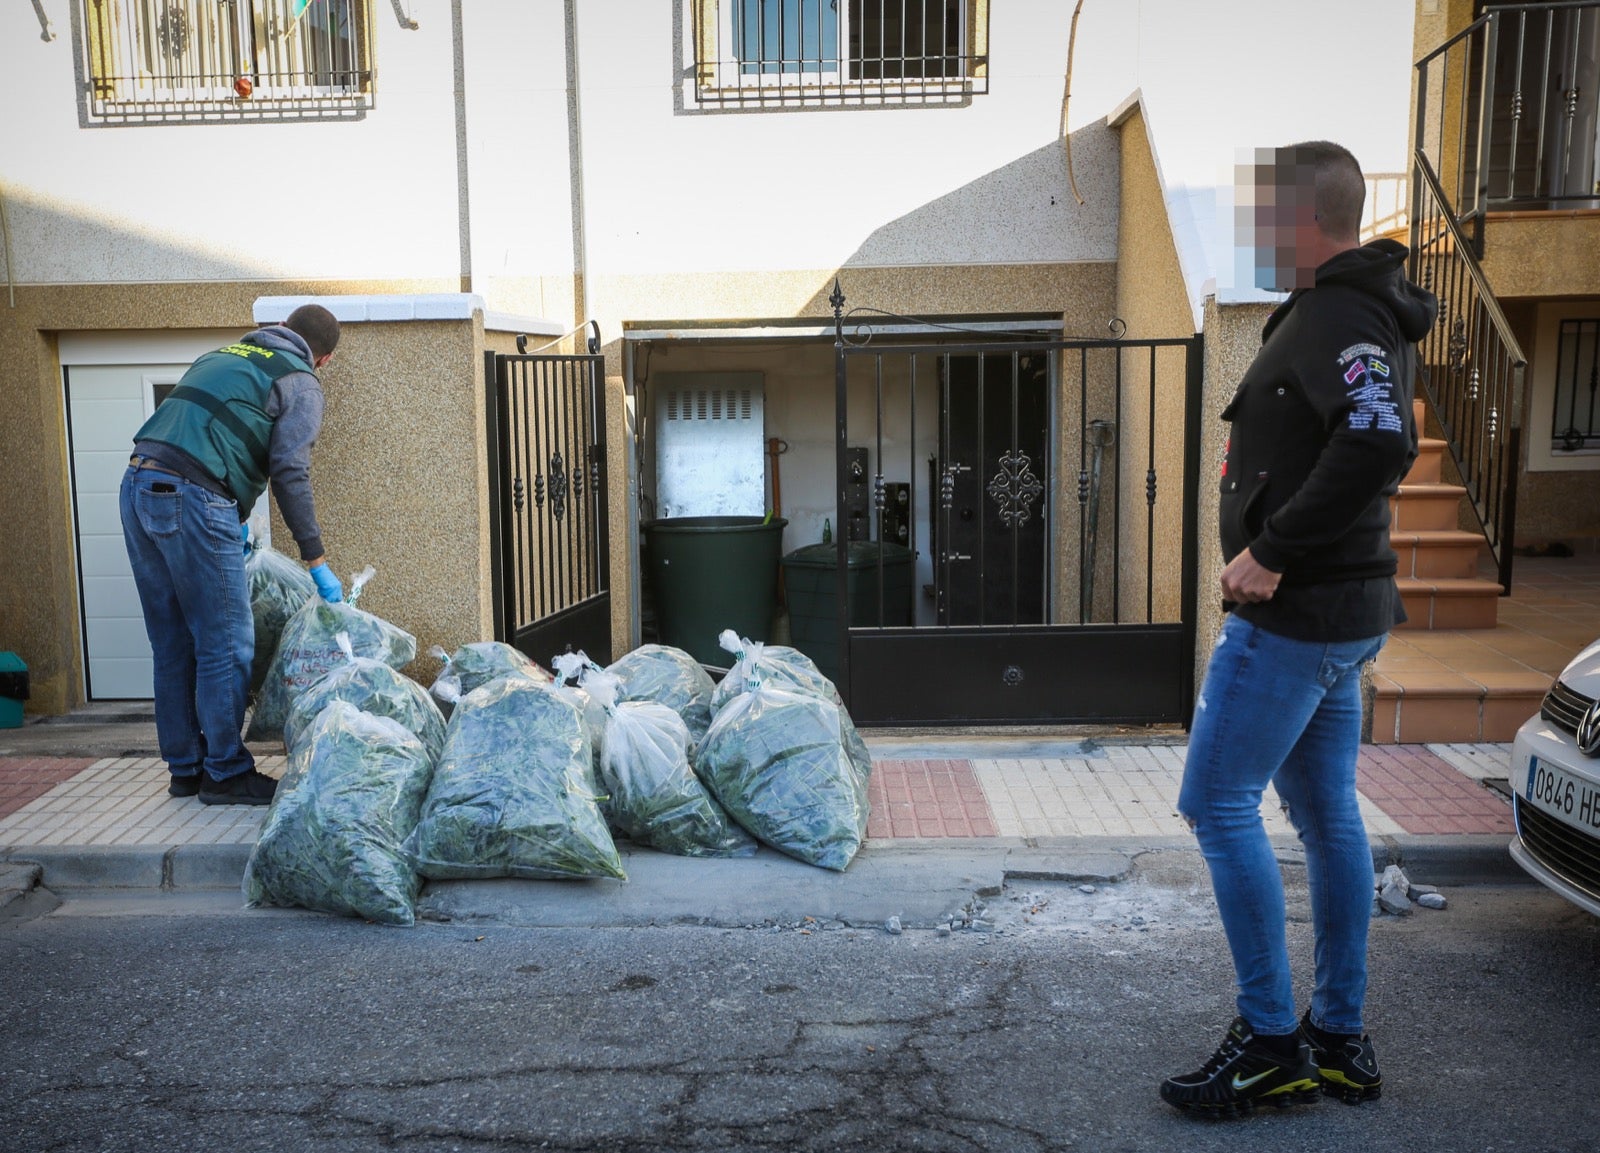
(551, 554)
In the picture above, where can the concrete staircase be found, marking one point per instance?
(1443, 676)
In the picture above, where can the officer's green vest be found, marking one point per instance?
(218, 415)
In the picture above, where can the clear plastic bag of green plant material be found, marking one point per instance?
(373, 687)
(671, 677)
(780, 763)
(279, 586)
(474, 665)
(514, 793)
(347, 802)
(652, 795)
(309, 647)
(779, 666)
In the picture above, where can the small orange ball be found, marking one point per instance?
(244, 86)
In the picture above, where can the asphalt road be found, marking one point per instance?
(184, 1023)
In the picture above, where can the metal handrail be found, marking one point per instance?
(1471, 365)
(1503, 131)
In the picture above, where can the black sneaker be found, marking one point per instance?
(1347, 1064)
(181, 786)
(1241, 1074)
(247, 788)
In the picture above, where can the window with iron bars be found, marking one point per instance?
(1575, 424)
(810, 53)
(162, 61)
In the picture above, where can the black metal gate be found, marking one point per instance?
(548, 504)
(1054, 527)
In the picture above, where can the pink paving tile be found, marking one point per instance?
(25, 779)
(1423, 794)
(939, 798)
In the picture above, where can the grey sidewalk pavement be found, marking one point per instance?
(83, 799)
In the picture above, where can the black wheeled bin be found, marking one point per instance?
(711, 573)
(811, 584)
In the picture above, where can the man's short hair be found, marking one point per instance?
(1335, 174)
(317, 325)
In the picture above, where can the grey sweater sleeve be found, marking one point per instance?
(296, 408)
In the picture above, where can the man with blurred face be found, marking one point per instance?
(1321, 433)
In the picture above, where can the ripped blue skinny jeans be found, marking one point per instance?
(1284, 711)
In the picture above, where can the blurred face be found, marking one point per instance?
(1275, 216)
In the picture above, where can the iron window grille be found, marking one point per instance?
(1575, 423)
(164, 61)
(821, 53)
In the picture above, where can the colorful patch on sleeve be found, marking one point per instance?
(1365, 368)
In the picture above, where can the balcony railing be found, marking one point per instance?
(1472, 366)
(1508, 111)
(1388, 207)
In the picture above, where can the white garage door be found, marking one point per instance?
(112, 383)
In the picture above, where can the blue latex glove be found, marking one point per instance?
(327, 584)
(244, 536)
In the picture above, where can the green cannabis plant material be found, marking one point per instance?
(671, 677)
(347, 802)
(652, 795)
(373, 687)
(514, 794)
(309, 648)
(783, 766)
(278, 587)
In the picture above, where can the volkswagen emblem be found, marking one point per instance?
(1588, 733)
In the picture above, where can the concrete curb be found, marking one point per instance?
(920, 881)
(133, 866)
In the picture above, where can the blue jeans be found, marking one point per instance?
(1289, 712)
(183, 543)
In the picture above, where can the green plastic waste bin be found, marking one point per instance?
(711, 573)
(811, 585)
(13, 690)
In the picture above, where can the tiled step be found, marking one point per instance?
(1418, 706)
(1449, 603)
(1442, 553)
(1421, 507)
(1428, 467)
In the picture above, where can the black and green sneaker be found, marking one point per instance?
(1346, 1062)
(1241, 1074)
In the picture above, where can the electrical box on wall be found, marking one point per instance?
(896, 527)
(710, 435)
(856, 488)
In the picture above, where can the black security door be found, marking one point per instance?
(989, 542)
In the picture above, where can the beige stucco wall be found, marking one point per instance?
(1233, 336)
(401, 477)
(1153, 300)
(1543, 254)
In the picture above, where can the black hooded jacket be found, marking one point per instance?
(1322, 433)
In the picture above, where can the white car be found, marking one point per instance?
(1555, 780)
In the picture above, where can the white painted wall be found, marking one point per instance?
(667, 191)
